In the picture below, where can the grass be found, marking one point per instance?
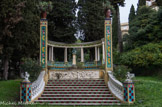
(148, 92)
(9, 90)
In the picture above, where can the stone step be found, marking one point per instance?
(75, 84)
(83, 104)
(77, 101)
(88, 83)
(94, 87)
(77, 98)
(58, 90)
(80, 80)
(76, 92)
(77, 95)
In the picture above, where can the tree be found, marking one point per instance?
(116, 4)
(141, 3)
(62, 21)
(20, 37)
(10, 16)
(114, 32)
(145, 28)
(91, 19)
(131, 15)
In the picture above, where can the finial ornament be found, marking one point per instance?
(108, 13)
(26, 76)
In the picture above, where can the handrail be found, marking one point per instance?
(115, 86)
(38, 85)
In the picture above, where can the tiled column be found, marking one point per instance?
(25, 91)
(129, 92)
(108, 45)
(43, 43)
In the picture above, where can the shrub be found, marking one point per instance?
(120, 72)
(80, 65)
(32, 67)
(145, 56)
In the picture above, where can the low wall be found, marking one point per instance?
(76, 74)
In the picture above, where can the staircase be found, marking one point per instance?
(77, 92)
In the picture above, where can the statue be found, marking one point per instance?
(129, 77)
(26, 76)
(107, 13)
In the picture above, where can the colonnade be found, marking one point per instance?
(97, 53)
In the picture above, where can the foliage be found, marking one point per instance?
(45, 6)
(114, 32)
(140, 4)
(116, 4)
(144, 56)
(23, 34)
(116, 57)
(80, 65)
(62, 21)
(107, 5)
(31, 66)
(145, 28)
(131, 15)
(91, 19)
(120, 72)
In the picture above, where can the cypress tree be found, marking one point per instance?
(91, 19)
(62, 21)
(131, 15)
(114, 32)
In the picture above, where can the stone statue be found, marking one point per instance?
(129, 77)
(107, 13)
(26, 76)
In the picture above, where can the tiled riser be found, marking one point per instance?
(85, 95)
(76, 101)
(57, 89)
(84, 104)
(77, 92)
(77, 98)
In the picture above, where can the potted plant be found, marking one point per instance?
(45, 7)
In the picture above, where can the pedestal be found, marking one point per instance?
(25, 91)
(74, 60)
(129, 92)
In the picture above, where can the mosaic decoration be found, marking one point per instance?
(129, 95)
(108, 44)
(25, 92)
(43, 43)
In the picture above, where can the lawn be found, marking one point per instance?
(148, 92)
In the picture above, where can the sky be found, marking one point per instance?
(124, 11)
